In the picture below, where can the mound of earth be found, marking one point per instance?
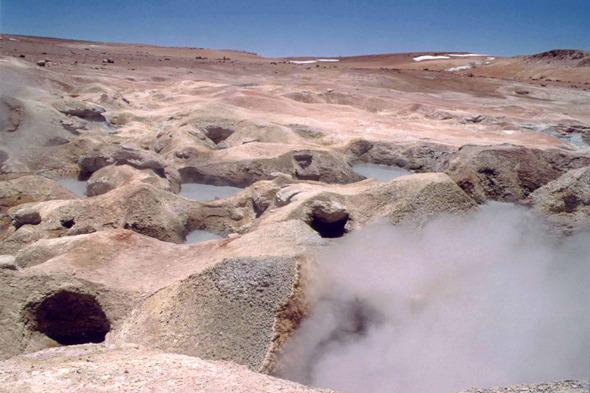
(100, 368)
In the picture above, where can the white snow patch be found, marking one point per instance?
(303, 62)
(328, 60)
(12, 39)
(509, 132)
(421, 58)
(467, 67)
(491, 58)
(467, 55)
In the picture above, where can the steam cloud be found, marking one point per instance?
(490, 302)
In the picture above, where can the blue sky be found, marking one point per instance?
(307, 27)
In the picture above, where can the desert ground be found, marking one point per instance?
(101, 291)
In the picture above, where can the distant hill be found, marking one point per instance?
(560, 57)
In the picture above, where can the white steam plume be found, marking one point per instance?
(489, 302)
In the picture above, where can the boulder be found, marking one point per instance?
(286, 194)
(127, 261)
(95, 160)
(7, 262)
(32, 127)
(25, 216)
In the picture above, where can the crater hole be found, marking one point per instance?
(71, 318)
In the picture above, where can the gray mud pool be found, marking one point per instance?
(382, 173)
(78, 187)
(201, 236)
(205, 192)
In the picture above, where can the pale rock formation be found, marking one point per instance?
(100, 368)
(115, 176)
(509, 173)
(245, 308)
(565, 201)
(41, 311)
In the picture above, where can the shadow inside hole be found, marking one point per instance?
(329, 230)
(67, 223)
(71, 318)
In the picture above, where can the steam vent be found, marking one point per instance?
(182, 219)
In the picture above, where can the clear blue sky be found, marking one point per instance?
(312, 27)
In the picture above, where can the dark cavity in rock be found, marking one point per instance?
(70, 318)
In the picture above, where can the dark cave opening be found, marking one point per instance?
(329, 230)
(71, 318)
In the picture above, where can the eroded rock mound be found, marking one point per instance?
(41, 311)
(31, 188)
(508, 173)
(420, 157)
(334, 210)
(239, 304)
(140, 207)
(115, 176)
(566, 200)
(27, 189)
(304, 164)
(102, 156)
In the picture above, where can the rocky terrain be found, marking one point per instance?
(102, 292)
